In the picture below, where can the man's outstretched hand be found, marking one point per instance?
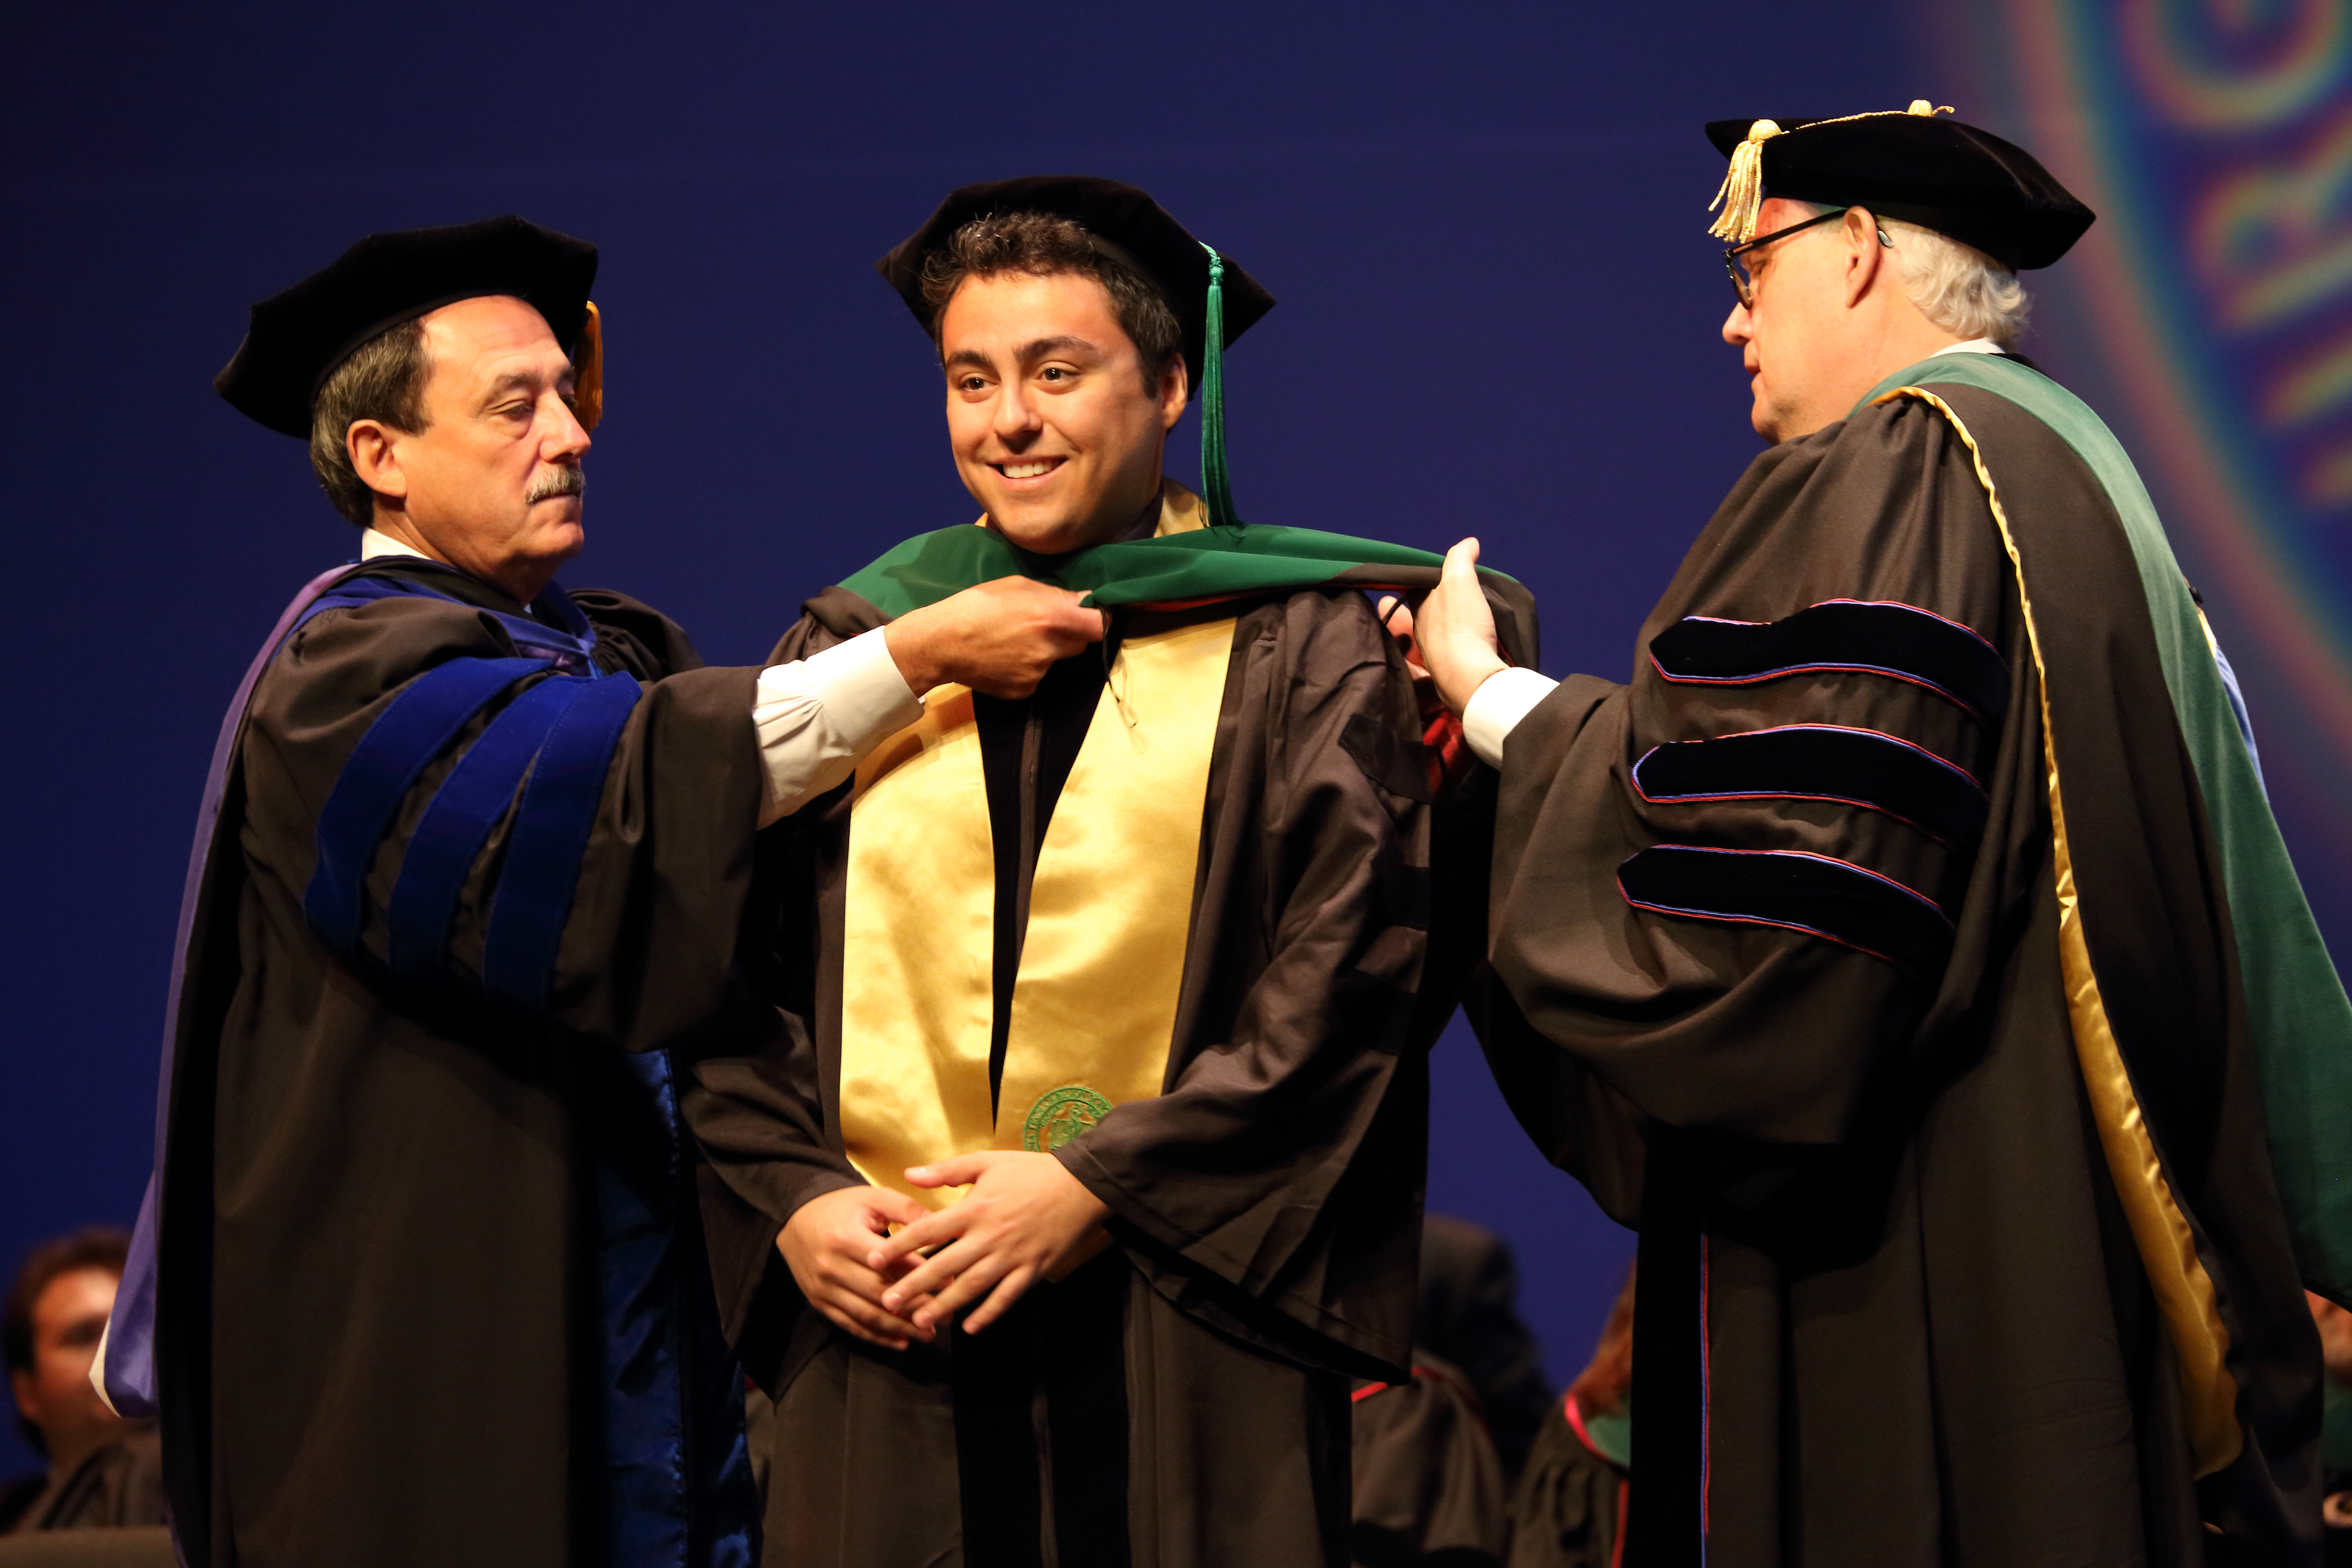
(1024, 1218)
(1455, 630)
(828, 1243)
(999, 638)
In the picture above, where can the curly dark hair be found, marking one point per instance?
(1044, 245)
(98, 1246)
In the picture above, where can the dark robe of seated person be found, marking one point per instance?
(1436, 1460)
(119, 1485)
(105, 1513)
(1428, 1487)
(1467, 1315)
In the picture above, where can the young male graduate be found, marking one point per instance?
(1115, 999)
(418, 1279)
(1909, 949)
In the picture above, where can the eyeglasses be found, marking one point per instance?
(1742, 284)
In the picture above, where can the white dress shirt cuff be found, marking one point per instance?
(1495, 708)
(817, 716)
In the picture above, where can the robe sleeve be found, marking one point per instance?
(760, 1116)
(1725, 894)
(1282, 1167)
(481, 826)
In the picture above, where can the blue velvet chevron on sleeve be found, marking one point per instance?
(553, 741)
(418, 726)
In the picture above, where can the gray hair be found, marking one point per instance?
(383, 379)
(1959, 286)
(1955, 286)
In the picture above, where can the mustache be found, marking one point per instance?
(562, 482)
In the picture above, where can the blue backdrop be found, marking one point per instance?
(1485, 224)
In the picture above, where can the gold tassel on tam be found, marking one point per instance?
(1743, 186)
(588, 371)
(1742, 193)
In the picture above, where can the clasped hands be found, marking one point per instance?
(1024, 1218)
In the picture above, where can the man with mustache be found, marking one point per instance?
(418, 1279)
(1088, 1166)
(1908, 949)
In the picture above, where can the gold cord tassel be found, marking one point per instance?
(588, 371)
(1743, 186)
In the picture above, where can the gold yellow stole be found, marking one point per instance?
(1094, 1003)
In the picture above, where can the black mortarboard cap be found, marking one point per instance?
(1207, 291)
(1125, 221)
(1910, 165)
(299, 336)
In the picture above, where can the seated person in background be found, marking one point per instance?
(1469, 1317)
(1570, 1508)
(104, 1471)
(1436, 1456)
(1428, 1491)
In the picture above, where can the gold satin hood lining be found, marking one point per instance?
(1102, 958)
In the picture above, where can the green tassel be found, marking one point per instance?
(1216, 484)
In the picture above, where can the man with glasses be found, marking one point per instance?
(1979, 1118)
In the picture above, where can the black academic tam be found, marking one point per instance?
(299, 335)
(1919, 167)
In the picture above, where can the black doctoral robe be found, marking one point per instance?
(1780, 969)
(429, 1283)
(1181, 1400)
(119, 1486)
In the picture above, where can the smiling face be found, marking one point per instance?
(492, 484)
(1054, 430)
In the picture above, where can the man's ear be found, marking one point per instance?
(1175, 391)
(27, 1393)
(375, 457)
(1863, 253)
